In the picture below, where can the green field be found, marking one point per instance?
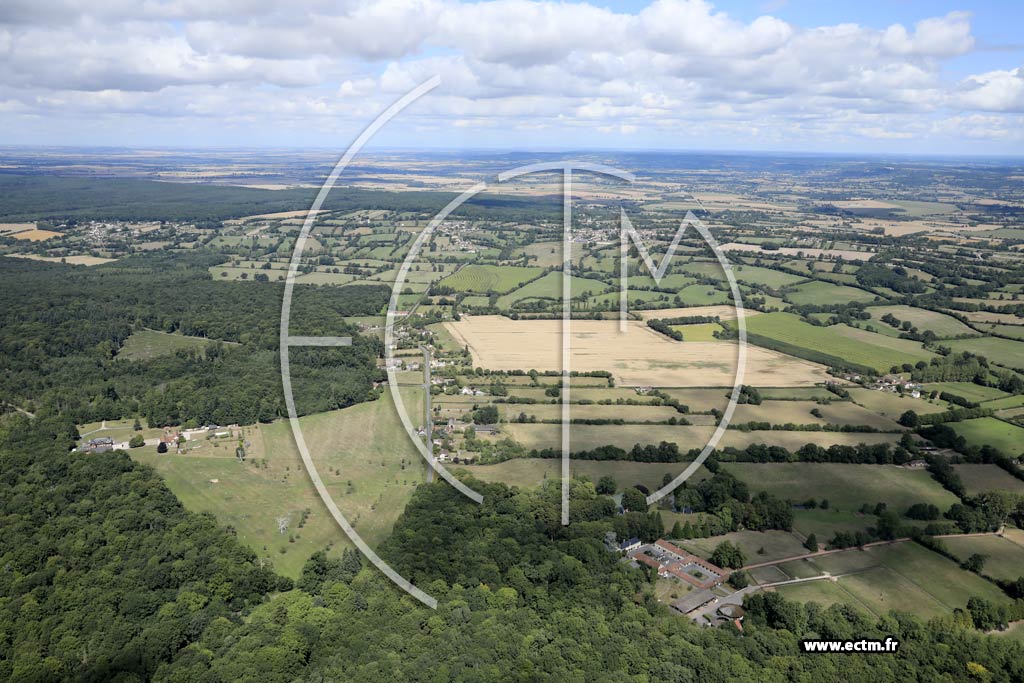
(587, 437)
(483, 278)
(775, 279)
(799, 412)
(786, 332)
(763, 546)
(893, 405)
(994, 432)
(941, 324)
(1005, 352)
(904, 576)
(824, 293)
(699, 331)
(702, 295)
(968, 390)
(1004, 559)
(550, 287)
(147, 344)
(846, 486)
(531, 472)
(978, 478)
(250, 497)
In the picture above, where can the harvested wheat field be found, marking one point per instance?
(638, 357)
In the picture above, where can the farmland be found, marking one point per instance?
(273, 483)
(903, 577)
(944, 326)
(993, 432)
(485, 278)
(837, 344)
(638, 357)
(846, 486)
(979, 478)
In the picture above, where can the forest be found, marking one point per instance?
(107, 578)
(61, 329)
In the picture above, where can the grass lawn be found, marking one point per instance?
(786, 332)
(978, 478)
(486, 278)
(824, 293)
(273, 483)
(146, 344)
(941, 324)
(988, 430)
(1004, 558)
(845, 486)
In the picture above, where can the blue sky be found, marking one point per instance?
(890, 77)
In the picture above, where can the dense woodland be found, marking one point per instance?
(107, 578)
(61, 329)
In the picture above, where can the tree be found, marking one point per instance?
(910, 419)
(634, 500)
(486, 415)
(728, 555)
(811, 543)
(136, 441)
(161, 447)
(975, 563)
(606, 485)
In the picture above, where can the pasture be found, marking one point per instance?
(846, 486)
(531, 472)
(550, 287)
(1006, 352)
(893, 405)
(968, 390)
(837, 343)
(588, 437)
(638, 357)
(993, 432)
(903, 576)
(942, 325)
(486, 278)
(821, 293)
(272, 483)
(977, 478)
(757, 546)
(1004, 558)
(698, 332)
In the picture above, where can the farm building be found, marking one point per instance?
(100, 444)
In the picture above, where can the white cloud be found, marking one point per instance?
(681, 67)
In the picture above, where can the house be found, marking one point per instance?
(630, 545)
(917, 464)
(694, 600)
(100, 444)
(486, 429)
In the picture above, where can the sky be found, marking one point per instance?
(900, 76)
